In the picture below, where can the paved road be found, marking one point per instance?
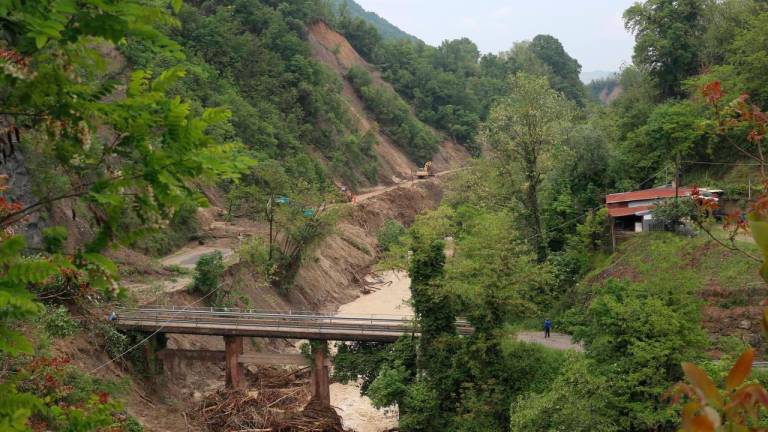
(223, 322)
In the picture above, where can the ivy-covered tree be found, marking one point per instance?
(667, 40)
(523, 128)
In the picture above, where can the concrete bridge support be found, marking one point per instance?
(233, 348)
(320, 378)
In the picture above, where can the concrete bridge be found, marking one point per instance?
(234, 324)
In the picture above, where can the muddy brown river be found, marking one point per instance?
(357, 411)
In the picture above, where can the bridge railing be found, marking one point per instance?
(239, 311)
(234, 319)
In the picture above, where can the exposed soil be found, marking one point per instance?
(328, 279)
(333, 50)
(331, 277)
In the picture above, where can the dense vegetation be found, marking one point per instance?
(226, 94)
(383, 27)
(531, 239)
(452, 87)
(394, 116)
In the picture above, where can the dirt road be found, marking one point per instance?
(189, 256)
(558, 341)
(372, 192)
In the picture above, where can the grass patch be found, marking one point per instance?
(357, 245)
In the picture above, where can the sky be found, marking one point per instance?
(591, 31)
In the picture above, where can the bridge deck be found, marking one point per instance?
(292, 325)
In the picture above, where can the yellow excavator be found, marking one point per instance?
(425, 172)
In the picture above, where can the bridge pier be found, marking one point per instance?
(320, 380)
(155, 344)
(233, 348)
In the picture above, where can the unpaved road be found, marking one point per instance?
(372, 192)
(189, 256)
(557, 341)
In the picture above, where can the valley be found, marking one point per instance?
(295, 216)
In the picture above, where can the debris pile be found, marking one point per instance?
(275, 401)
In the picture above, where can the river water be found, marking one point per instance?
(357, 411)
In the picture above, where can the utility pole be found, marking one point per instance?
(677, 176)
(270, 218)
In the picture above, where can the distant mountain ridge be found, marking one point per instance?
(386, 29)
(589, 76)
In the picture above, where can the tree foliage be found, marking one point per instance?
(523, 128)
(132, 152)
(667, 35)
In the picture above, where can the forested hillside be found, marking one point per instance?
(386, 29)
(261, 154)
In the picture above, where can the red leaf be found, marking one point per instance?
(703, 383)
(740, 370)
(713, 92)
(702, 423)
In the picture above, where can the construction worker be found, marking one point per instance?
(547, 327)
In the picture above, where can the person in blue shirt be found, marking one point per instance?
(547, 327)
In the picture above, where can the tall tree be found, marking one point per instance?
(523, 128)
(667, 40)
(459, 56)
(564, 69)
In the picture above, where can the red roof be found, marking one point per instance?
(647, 194)
(626, 211)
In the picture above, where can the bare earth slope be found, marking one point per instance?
(333, 50)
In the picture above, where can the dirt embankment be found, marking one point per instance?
(332, 49)
(331, 276)
(328, 278)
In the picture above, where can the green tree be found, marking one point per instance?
(667, 40)
(748, 55)
(523, 128)
(54, 82)
(574, 402)
(564, 69)
(208, 271)
(458, 56)
(640, 353)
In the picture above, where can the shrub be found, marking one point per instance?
(115, 343)
(391, 234)
(208, 271)
(74, 401)
(58, 323)
(575, 402)
(54, 238)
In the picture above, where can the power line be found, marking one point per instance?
(721, 163)
(159, 329)
(576, 219)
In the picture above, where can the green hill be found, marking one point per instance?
(385, 28)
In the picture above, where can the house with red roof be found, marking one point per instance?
(633, 211)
